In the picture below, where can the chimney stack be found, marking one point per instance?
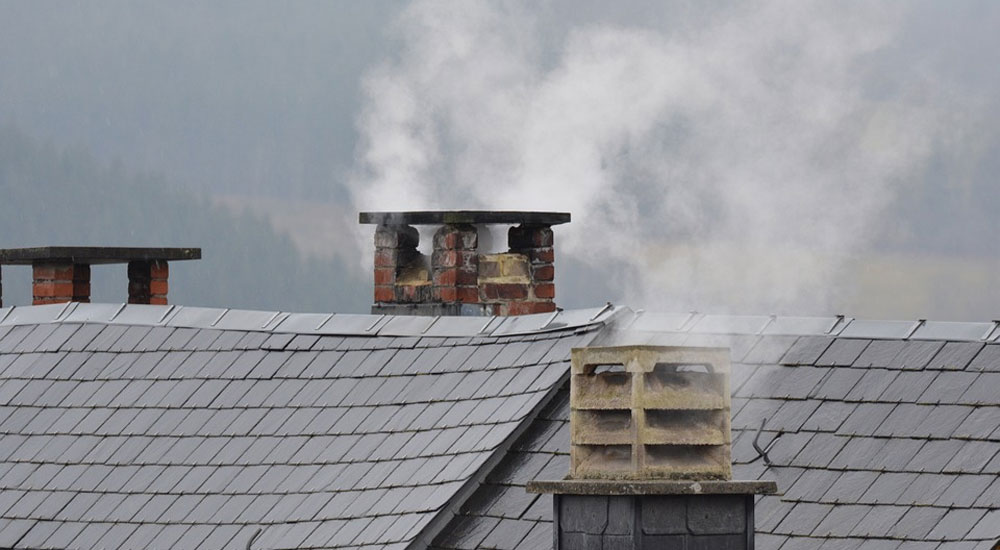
(62, 273)
(457, 279)
(650, 453)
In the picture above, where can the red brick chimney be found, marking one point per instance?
(457, 279)
(62, 273)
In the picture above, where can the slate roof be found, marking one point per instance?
(160, 427)
(155, 427)
(880, 435)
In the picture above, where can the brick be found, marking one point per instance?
(158, 300)
(468, 295)
(384, 294)
(52, 289)
(542, 256)
(463, 294)
(159, 270)
(158, 287)
(456, 237)
(503, 291)
(543, 273)
(454, 277)
(413, 293)
(545, 291)
(396, 236)
(444, 258)
(522, 237)
(384, 276)
(53, 272)
(386, 257)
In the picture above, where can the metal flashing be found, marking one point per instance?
(885, 330)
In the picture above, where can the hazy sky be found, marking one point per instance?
(806, 133)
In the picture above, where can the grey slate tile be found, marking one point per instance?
(983, 390)
(872, 385)
(803, 518)
(842, 352)
(973, 456)
(955, 355)
(942, 421)
(988, 527)
(838, 383)
(917, 522)
(964, 490)
(865, 419)
(934, 456)
(988, 359)
(956, 524)
(903, 420)
(887, 488)
(916, 354)
(879, 353)
(877, 524)
(948, 387)
(841, 520)
(820, 451)
(895, 454)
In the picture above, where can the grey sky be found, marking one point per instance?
(257, 98)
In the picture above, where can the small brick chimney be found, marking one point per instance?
(457, 279)
(650, 454)
(62, 273)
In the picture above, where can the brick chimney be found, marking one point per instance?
(62, 273)
(650, 453)
(457, 279)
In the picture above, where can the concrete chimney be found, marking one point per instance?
(62, 273)
(650, 453)
(457, 279)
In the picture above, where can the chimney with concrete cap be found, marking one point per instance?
(458, 279)
(650, 453)
(62, 273)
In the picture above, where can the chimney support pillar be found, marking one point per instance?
(455, 264)
(147, 282)
(60, 282)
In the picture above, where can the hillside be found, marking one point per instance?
(50, 196)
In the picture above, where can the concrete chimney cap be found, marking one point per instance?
(94, 255)
(474, 217)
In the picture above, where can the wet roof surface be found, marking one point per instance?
(874, 444)
(201, 425)
(137, 436)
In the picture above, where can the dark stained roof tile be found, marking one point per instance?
(843, 352)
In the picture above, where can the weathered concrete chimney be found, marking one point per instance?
(457, 279)
(650, 453)
(62, 273)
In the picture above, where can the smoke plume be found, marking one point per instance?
(734, 162)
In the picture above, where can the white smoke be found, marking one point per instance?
(733, 163)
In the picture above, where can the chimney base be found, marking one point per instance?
(653, 514)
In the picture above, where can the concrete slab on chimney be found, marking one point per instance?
(652, 487)
(94, 255)
(443, 217)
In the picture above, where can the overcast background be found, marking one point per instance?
(258, 124)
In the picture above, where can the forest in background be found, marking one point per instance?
(53, 196)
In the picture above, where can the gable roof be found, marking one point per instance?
(393, 432)
(877, 439)
(339, 433)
